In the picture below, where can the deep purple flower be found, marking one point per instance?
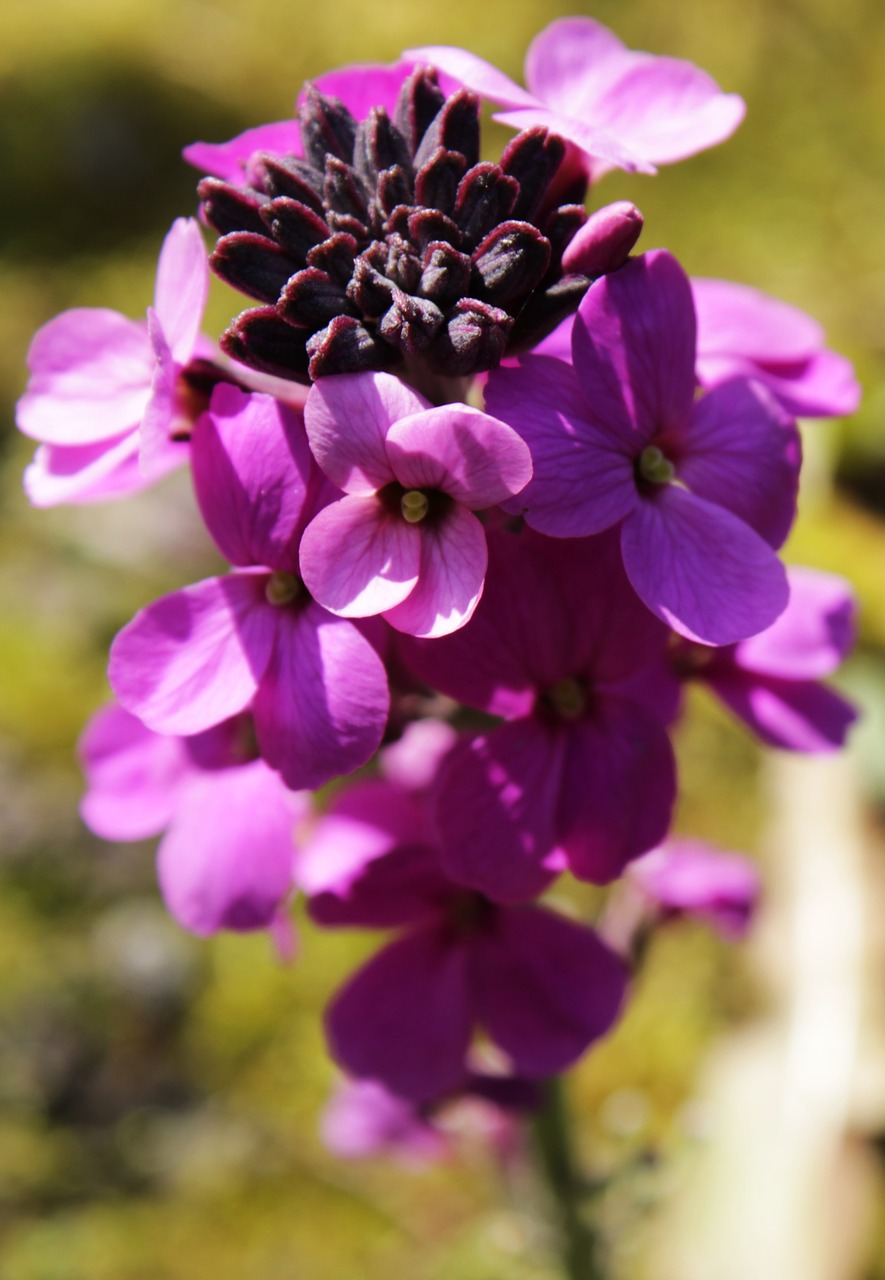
(227, 858)
(255, 639)
(690, 878)
(702, 489)
(403, 542)
(581, 774)
(619, 108)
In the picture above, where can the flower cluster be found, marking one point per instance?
(478, 620)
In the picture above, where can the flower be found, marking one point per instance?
(702, 489)
(113, 399)
(403, 542)
(618, 108)
(688, 877)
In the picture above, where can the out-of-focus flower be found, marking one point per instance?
(363, 1119)
(690, 878)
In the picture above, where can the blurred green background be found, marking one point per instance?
(159, 1096)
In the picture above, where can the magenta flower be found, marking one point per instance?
(582, 773)
(111, 398)
(690, 878)
(744, 332)
(364, 1119)
(542, 987)
(404, 542)
(620, 108)
(702, 489)
(771, 681)
(255, 639)
(227, 858)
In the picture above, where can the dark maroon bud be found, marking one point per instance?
(370, 290)
(436, 183)
(411, 324)
(485, 197)
(348, 224)
(344, 346)
(295, 226)
(419, 102)
(343, 191)
(563, 225)
(253, 264)
(455, 128)
(400, 263)
(327, 128)
(446, 274)
(475, 338)
(533, 159)
(511, 261)
(292, 177)
(544, 310)
(336, 256)
(427, 225)
(379, 146)
(228, 208)
(311, 299)
(260, 339)
(394, 188)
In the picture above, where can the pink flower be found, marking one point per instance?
(109, 397)
(688, 877)
(364, 1119)
(702, 489)
(255, 639)
(403, 542)
(621, 109)
(227, 858)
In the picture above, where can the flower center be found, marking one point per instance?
(654, 466)
(567, 697)
(283, 588)
(414, 505)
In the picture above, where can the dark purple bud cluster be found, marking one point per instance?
(390, 243)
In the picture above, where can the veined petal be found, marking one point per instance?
(474, 458)
(546, 988)
(736, 320)
(347, 419)
(475, 73)
(133, 776)
(796, 715)
(182, 287)
(406, 1017)
(571, 62)
(194, 658)
(358, 559)
(450, 579)
(700, 569)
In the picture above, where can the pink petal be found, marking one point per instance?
(475, 73)
(182, 287)
(96, 472)
(91, 373)
(227, 860)
(692, 878)
(347, 419)
(822, 387)
(133, 776)
(413, 760)
(358, 559)
(365, 85)
(450, 579)
(741, 451)
(476, 459)
(813, 634)
(735, 320)
(546, 988)
(405, 1018)
(571, 61)
(252, 472)
(322, 704)
(599, 144)
(365, 1119)
(795, 715)
(194, 658)
(700, 569)
(228, 160)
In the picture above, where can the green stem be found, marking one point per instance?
(578, 1244)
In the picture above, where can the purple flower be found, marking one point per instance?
(403, 542)
(702, 489)
(582, 772)
(227, 858)
(542, 987)
(771, 681)
(619, 108)
(255, 639)
(742, 331)
(365, 1119)
(111, 398)
(687, 877)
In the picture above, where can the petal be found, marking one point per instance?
(252, 472)
(693, 878)
(347, 419)
(365, 85)
(741, 451)
(182, 287)
(450, 579)
(473, 72)
(228, 160)
(570, 62)
(795, 715)
(227, 860)
(546, 988)
(133, 776)
(322, 705)
(475, 459)
(405, 1018)
(358, 559)
(95, 472)
(599, 144)
(583, 479)
(633, 349)
(194, 658)
(823, 387)
(700, 569)
(496, 809)
(404, 886)
(91, 372)
(735, 320)
(365, 1119)
(813, 634)
(618, 789)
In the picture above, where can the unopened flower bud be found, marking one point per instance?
(604, 242)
